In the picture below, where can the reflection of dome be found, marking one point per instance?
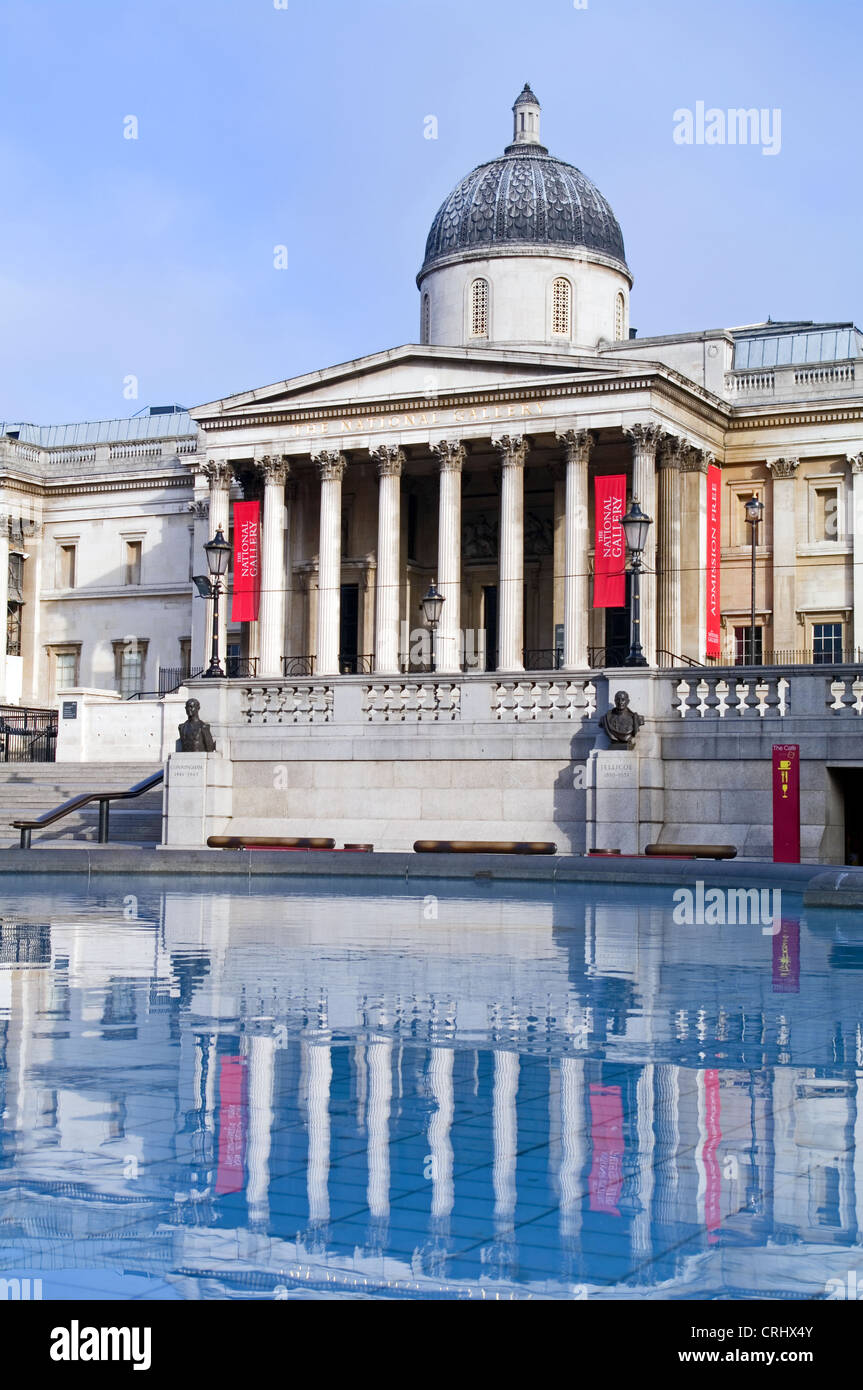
(526, 197)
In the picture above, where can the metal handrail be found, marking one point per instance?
(104, 799)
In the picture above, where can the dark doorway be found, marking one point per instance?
(349, 628)
(489, 608)
(851, 786)
(617, 623)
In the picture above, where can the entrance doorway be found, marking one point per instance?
(850, 781)
(617, 624)
(489, 611)
(349, 628)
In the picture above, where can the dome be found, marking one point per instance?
(524, 199)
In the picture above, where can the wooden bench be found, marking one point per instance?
(484, 847)
(267, 842)
(692, 851)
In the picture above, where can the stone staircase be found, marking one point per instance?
(28, 789)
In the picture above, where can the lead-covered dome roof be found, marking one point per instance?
(525, 198)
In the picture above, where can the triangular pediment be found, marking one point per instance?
(405, 373)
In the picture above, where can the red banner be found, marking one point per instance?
(247, 562)
(605, 1182)
(609, 569)
(232, 1125)
(714, 519)
(786, 803)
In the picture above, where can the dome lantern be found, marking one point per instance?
(525, 111)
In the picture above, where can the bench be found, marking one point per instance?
(691, 851)
(484, 847)
(267, 842)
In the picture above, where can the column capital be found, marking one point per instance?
(218, 472)
(674, 450)
(275, 468)
(855, 462)
(390, 459)
(783, 468)
(697, 461)
(200, 508)
(645, 435)
(577, 444)
(331, 465)
(450, 454)
(513, 449)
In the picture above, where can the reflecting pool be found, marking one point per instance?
(300, 1089)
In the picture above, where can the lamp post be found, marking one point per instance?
(754, 510)
(218, 553)
(635, 526)
(431, 604)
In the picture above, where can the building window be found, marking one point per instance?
(742, 650)
(825, 519)
(425, 321)
(619, 317)
(561, 307)
(67, 565)
(826, 643)
(479, 309)
(133, 562)
(129, 661)
(66, 669)
(13, 628)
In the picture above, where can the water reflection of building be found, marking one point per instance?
(327, 1094)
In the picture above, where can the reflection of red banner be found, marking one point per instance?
(786, 803)
(609, 569)
(714, 517)
(232, 1125)
(786, 958)
(713, 1134)
(247, 562)
(606, 1132)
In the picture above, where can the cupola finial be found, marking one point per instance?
(526, 118)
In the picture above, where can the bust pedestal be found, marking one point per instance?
(198, 799)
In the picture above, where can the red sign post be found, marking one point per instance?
(609, 570)
(786, 803)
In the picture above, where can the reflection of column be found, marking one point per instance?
(219, 474)
(262, 1049)
(450, 456)
(573, 1154)
(693, 531)
(783, 472)
(857, 522)
(320, 1077)
(378, 1126)
(332, 468)
(275, 574)
(513, 452)
(440, 1126)
(390, 461)
(644, 1104)
(645, 441)
(671, 455)
(505, 1125)
(668, 1132)
(578, 445)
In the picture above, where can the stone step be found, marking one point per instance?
(27, 790)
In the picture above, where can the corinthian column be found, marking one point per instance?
(693, 529)
(783, 472)
(219, 475)
(275, 574)
(450, 455)
(856, 462)
(510, 638)
(332, 468)
(645, 441)
(390, 461)
(577, 445)
(672, 452)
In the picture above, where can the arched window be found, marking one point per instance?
(619, 317)
(425, 320)
(561, 307)
(479, 309)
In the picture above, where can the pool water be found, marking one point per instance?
(369, 1090)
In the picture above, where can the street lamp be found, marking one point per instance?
(431, 604)
(754, 510)
(635, 526)
(218, 553)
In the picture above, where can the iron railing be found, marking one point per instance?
(104, 799)
(28, 735)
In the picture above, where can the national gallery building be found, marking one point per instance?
(493, 456)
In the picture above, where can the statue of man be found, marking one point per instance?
(195, 736)
(622, 723)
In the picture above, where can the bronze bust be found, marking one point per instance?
(195, 736)
(622, 723)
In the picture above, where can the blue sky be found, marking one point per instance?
(304, 127)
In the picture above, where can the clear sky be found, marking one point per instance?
(303, 126)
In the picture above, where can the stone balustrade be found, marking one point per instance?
(530, 700)
(402, 702)
(729, 697)
(845, 694)
(308, 703)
